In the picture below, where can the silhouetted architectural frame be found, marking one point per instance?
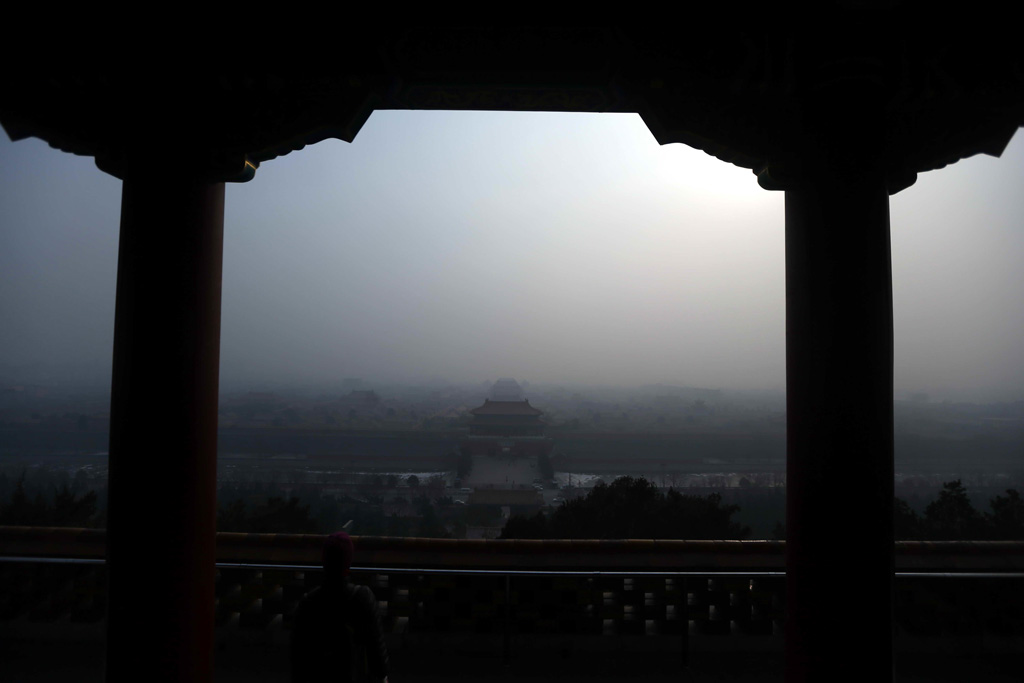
(839, 119)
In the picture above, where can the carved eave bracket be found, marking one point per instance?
(219, 128)
(771, 103)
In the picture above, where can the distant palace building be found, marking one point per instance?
(509, 428)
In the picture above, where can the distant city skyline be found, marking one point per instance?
(555, 248)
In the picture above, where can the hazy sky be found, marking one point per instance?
(546, 247)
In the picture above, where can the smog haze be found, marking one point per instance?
(554, 248)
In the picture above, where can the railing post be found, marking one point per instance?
(685, 616)
(507, 641)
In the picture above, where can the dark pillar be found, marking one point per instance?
(163, 429)
(839, 552)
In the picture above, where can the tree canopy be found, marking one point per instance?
(633, 508)
(276, 516)
(952, 517)
(63, 507)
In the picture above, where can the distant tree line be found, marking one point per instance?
(260, 508)
(63, 507)
(275, 516)
(627, 508)
(633, 508)
(952, 517)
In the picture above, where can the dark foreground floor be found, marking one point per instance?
(255, 658)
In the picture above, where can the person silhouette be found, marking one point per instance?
(337, 635)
